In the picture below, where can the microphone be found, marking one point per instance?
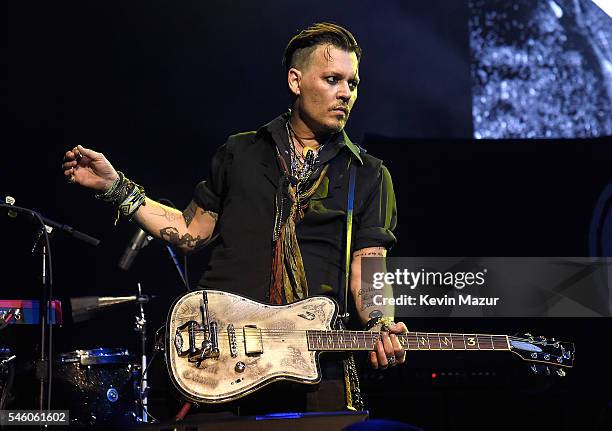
(14, 213)
(139, 241)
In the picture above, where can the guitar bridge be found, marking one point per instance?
(191, 328)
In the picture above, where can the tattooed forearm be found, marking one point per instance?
(366, 297)
(171, 217)
(368, 300)
(192, 209)
(186, 242)
(375, 252)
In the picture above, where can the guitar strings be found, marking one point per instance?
(497, 342)
(364, 333)
(408, 341)
(367, 334)
(275, 333)
(407, 346)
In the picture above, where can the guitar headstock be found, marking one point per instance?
(543, 353)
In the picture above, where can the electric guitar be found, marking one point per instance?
(221, 346)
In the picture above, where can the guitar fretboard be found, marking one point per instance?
(365, 340)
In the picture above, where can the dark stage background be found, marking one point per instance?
(157, 86)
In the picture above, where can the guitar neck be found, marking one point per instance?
(342, 340)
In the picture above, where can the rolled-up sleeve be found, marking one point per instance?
(374, 226)
(209, 194)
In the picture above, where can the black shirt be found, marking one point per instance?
(241, 188)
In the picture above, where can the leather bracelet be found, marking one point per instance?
(126, 194)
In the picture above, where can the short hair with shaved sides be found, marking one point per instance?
(306, 41)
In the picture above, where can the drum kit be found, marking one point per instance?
(98, 386)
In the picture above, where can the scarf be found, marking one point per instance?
(292, 198)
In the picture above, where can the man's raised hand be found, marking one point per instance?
(88, 168)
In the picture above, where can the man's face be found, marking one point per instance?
(328, 88)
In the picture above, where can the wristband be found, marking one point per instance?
(126, 194)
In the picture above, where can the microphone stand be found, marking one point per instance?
(140, 327)
(44, 368)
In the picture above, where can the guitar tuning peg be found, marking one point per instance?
(534, 369)
(561, 373)
(547, 371)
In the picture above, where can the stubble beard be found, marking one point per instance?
(324, 128)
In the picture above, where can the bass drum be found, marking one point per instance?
(98, 386)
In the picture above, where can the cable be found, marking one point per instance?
(183, 274)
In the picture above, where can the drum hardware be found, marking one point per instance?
(6, 361)
(141, 328)
(88, 307)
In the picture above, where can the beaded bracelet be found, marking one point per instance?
(126, 194)
(384, 321)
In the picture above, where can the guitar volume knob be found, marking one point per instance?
(240, 367)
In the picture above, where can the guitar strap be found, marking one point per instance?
(351, 378)
(349, 236)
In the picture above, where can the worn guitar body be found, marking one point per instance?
(274, 350)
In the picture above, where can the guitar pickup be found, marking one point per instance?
(253, 342)
(231, 335)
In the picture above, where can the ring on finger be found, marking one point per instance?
(391, 360)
